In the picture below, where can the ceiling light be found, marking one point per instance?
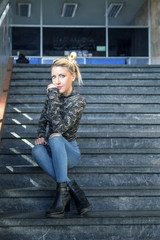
(114, 9)
(24, 9)
(69, 9)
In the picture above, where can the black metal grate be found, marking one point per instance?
(69, 9)
(114, 9)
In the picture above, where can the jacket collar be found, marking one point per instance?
(70, 95)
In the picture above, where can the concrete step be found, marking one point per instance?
(91, 130)
(91, 119)
(20, 157)
(94, 99)
(107, 198)
(92, 143)
(84, 169)
(42, 192)
(5, 150)
(32, 176)
(117, 225)
(89, 82)
(90, 75)
(90, 108)
(90, 90)
(89, 68)
(32, 133)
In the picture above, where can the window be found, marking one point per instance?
(26, 40)
(128, 42)
(58, 40)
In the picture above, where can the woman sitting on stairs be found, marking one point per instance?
(59, 151)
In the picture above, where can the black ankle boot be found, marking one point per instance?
(61, 203)
(79, 197)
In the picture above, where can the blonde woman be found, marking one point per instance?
(58, 150)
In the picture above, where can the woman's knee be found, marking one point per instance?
(36, 150)
(55, 139)
(54, 135)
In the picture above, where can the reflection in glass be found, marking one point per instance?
(58, 40)
(128, 42)
(26, 40)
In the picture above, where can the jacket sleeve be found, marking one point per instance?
(42, 124)
(72, 114)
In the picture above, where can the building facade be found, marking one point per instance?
(112, 31)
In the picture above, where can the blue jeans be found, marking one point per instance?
(57, 156)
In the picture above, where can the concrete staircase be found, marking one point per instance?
(119, 137)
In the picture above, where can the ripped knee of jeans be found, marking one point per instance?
(54, 135)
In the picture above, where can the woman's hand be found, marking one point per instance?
(40, 141)
(50, 86)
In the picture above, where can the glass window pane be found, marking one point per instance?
(26, 40)
(128, 42)
(58, 40)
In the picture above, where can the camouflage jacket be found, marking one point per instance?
(61, 114)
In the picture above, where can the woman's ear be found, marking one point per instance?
(74, 77)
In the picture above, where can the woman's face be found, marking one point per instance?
(62, 79)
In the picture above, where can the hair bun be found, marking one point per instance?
(72, 56)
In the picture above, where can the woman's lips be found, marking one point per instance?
(59, 87)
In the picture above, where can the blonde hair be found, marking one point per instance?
(70, 63)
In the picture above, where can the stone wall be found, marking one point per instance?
(141, 18)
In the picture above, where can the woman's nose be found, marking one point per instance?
(57, 81)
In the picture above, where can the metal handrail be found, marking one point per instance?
(3, 5)
(5, 40)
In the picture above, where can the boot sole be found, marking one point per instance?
(84, 211)
(58, 215)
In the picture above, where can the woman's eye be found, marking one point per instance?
(53, 77)
(62, 76)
